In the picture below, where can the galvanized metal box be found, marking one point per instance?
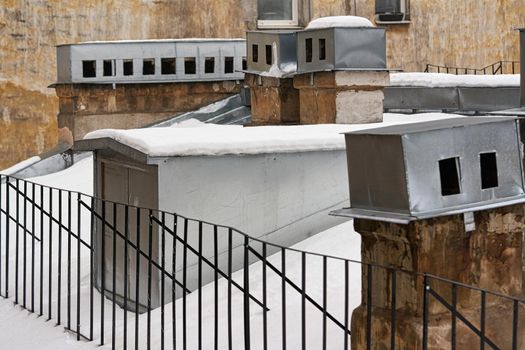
(415, 171)
(262, 46)
(341, 48)
(144, 61)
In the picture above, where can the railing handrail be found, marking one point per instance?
(496, 66)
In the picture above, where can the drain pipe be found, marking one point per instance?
(522, 66)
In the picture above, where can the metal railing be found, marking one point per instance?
(500, 67)
(135, 278)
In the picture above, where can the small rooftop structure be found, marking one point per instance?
(147, 61)
(409, 172)
(271, 48)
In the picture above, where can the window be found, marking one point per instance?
(255, 53)
(228, 65)
(209, 65)
(308, 47)
(489, 170)
(148, 66)
(127, 67)
(109, 68)
(168, 65)
(268, 54)
(450, 176)
(189, 65)
(89, 69)
(322, 49)
(277, 13)
(244, 64)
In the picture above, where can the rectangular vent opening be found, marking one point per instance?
(244, 64)
(269, 55)
(209, 65)
(255, 53)
(127, 66)
(189, 65)
(450, 176)
(228, 65)
(168, 65)
(489, 170)
(322, 49)
(308, 45)
(148, 66)
(109, 68)
(89, 69)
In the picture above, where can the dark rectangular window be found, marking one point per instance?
(148, 66)
(168, 65)
(450, 176)
(89, 69)
(269, 54)
(308, 49)
(244, 64)
(127, 66)
(189, 65)
(109, 68)
(489, 170)
(322, 49)
(255, 53)
(228, 65)
(209, 65)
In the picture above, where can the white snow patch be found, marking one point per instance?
(339, 21)
(279, 70)
(214, 107)
(226, 139)
(20, 166)
(451, 80)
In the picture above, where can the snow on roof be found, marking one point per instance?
(451, 80)
(199, 139)
(339, 21)
(146, 41)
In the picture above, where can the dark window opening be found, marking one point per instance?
(322, 49)
(228, 65)
(309, 49)
(489, 170)
(109, 68)
(89, 69)
(269, 54)
(189, 65)
(244, 64)
(127, 66)
(209, 65)
(449, 173)
(168, 65)
(148, 66)
(255, 53)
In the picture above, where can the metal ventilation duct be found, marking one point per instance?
(522, 67)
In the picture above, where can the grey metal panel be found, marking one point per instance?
(109, 144)
(488, 99)
(376, 172)
(316, 64)
(421, 98)
(64, 63)
(522, 66)
(139, 50)
(284, 40)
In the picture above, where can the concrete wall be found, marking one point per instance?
(465, 33)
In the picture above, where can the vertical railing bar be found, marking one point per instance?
(303, 301)
(17, 239)
(150, 265)
(173, 285)
(126, 267)
(41, 268)
(426, 287)
(230, 341)
(283, 296)
(347, 302)
(184, 279)
(265, 297)
(162, 279)
(393, 312)
(103, 271)
(454, 317)
(482, 321)
(7, 219)
(59, 260)
(325, 300)
(199, 291)
(246, 294)
(69, 233)
(91, 268)
(79, 257)
(33, 207)
(114, 279)
(137, 278)
(216, 288)
(369, 308)
(7, 234)
(50, 264)
(24, 253)
(515, 320)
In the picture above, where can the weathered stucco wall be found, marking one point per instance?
(470, 33)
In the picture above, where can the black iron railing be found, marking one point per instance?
(500, 67)
(135, 278)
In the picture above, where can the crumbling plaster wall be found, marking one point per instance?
(466, 33)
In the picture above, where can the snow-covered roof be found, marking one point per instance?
(451, 80)
(339, 21)
(193, 138)
(146, 41)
